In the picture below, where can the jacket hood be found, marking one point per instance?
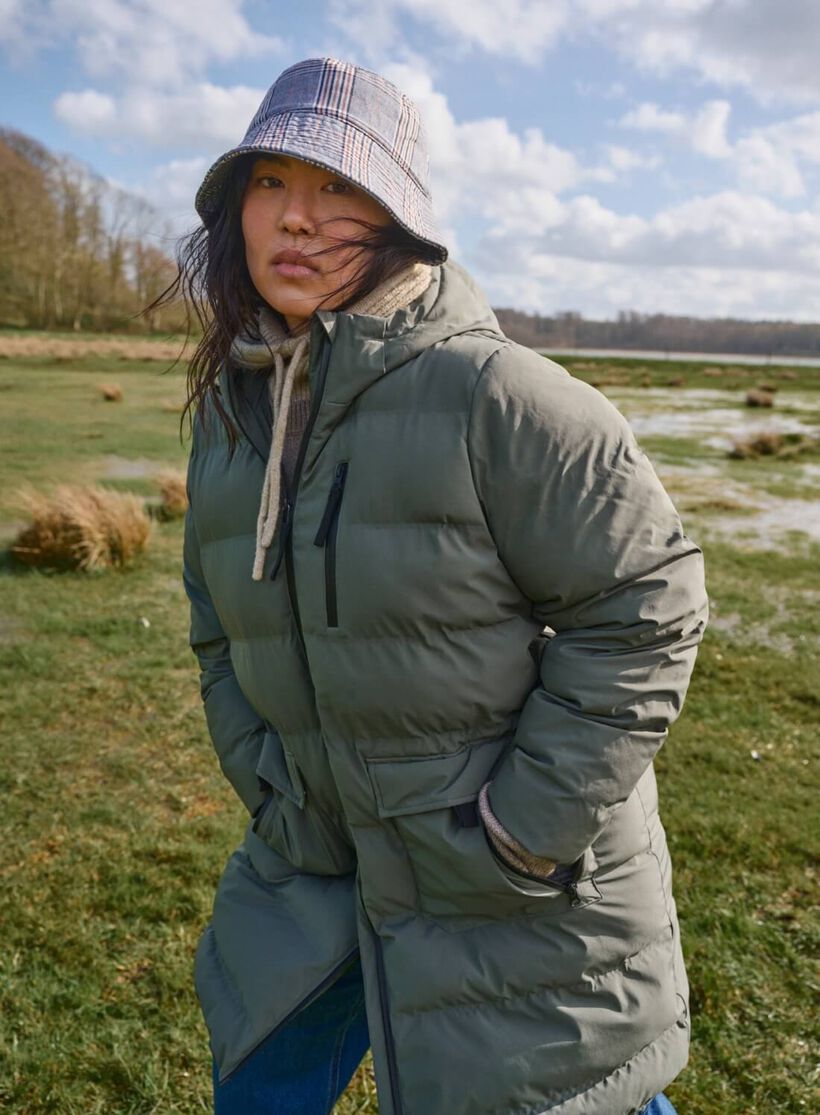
(452, 304)
(366, 348)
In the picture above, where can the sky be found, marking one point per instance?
(596, 156)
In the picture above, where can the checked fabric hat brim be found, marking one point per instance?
(350, 121)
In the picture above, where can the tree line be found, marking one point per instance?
(662, 332)
(75, 251)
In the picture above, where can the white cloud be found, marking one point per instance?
(727, 253)
(775, 158)
(624, 159)
(483, 168)
(521, 29)
(202, 115)
(604, 289)
(709, 130)
(179, 179)
(89, 111)
(800, 135)
(768, 167)
(741, 245)
(648, 117)
(545, 237)
(11, 19)
(705, 131)
(153, 43)
(766, 159)
(766, 47)
(611, 92)
(171, 189)
(483, 165)
(727, 231)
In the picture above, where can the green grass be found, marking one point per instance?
(623, 371)
(55, 424)
(72, 335)
(117, 821)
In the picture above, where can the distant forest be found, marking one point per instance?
(662, 332)
(75, 251)
(79, 253)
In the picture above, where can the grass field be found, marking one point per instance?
(117, 822)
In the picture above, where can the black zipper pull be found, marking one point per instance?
(284, 532)
(334, 498)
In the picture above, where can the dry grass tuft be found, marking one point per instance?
(756, 397)
(768, 443)
(765, 444)
(111, 392)
(174, 495)
(82, 528)
(63, 348)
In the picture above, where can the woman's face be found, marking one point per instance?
(290, 211)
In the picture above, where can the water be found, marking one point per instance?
(697, 357)
(126, 468)
(716, 418)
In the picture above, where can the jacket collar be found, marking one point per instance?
(364, 349)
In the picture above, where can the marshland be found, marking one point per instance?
(117, 821)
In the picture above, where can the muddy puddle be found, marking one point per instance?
(128, 468)
(718, 417)
(734, 510)
(767, 527)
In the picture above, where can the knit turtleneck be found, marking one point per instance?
(285, 356)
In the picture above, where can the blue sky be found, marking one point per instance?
(593, 155)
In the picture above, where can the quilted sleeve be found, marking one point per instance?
(235, 728)
(591, 538)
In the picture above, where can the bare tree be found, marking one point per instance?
(75, 251)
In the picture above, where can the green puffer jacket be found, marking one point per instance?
(479, 577)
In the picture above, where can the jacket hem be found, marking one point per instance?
(598, 1097)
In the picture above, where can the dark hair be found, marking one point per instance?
(213, 280)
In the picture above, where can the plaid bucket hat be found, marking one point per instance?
(351, 121)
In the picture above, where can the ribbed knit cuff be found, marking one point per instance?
(507, 848)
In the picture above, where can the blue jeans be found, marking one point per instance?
(304, 1066)
(660, 1105)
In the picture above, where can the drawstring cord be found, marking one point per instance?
(280, 387)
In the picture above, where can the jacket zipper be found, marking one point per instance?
(316, 402)
(326, 536)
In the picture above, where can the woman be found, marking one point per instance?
(444, 613)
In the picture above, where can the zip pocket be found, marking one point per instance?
(326, 536)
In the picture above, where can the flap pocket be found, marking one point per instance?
(418, 785)
(277, 767)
